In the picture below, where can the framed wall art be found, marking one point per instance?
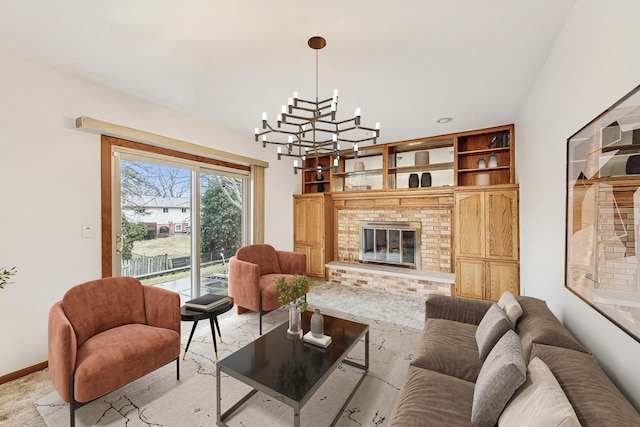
(603, 213)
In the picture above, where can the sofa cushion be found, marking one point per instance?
(539, 325)
(510, 305)
(100, 305)
(595, 399)
(264, 256)
(539, 402)
(450, 348)
(502, 373)
(491, 328)
(432, 398)
(120, 355)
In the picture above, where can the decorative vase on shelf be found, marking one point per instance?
(425, 179)
(317, 324)
(493, 161)
(482, 163)
(421, 158)
(295, 322)
(413, 180)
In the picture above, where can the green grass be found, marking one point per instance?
(178, 245)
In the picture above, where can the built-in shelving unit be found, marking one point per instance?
(473, 153)
(439, 161)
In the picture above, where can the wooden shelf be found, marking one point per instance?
(483, 169)
(422, 168)
(356, 173)
(485, 151)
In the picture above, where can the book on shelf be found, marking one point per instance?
(207, 302)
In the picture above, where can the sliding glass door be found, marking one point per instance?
(176, 222)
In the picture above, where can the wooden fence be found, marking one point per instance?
(142, 266)
(159, 264)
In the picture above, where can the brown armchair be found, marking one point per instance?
(252, 274)
(107, 333)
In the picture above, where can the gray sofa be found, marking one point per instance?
(446, 369)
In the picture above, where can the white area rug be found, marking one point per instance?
(158, 399)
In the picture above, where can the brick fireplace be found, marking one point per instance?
(432, 210)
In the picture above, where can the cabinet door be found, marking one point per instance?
(469, 278)
(501, 276)
(501, 224)
(314, 220)
(300, 221)
(315, 261)
(469, 224)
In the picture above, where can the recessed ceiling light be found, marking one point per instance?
(444, 120)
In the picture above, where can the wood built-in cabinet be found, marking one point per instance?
(485, 155)
(313, 230)
(478, 157)
(486, 241)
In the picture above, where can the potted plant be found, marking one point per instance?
(294, 294)
(5, 275)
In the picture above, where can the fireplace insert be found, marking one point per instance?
(395, 243)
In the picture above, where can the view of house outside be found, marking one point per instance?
(157, 225)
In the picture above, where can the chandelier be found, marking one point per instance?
(308, 129)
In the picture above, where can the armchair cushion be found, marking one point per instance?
(120, 355)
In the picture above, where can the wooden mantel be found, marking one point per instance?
(436, 196)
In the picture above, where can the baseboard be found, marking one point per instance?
(22, 372)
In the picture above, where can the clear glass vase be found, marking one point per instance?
(295, 321)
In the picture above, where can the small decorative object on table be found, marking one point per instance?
(317, 324)
(294, 293)
(207, 302)
(316, 335)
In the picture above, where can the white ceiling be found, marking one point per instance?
(404, 63)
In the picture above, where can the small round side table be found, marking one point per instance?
(194, 316)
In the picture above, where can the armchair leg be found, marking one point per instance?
(178, 367)
(72, 403)
(260, 311)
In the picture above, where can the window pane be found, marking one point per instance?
(155, 211)
(221, 233)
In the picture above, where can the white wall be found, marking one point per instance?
(594, 62)
(50, 187)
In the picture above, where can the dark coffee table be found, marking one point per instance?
(195, 315)
(291, 370)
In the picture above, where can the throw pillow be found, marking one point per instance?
(539, 402)
(511, 307)
(500, 376)
(490, 329)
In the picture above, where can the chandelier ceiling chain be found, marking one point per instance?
(300, 117)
